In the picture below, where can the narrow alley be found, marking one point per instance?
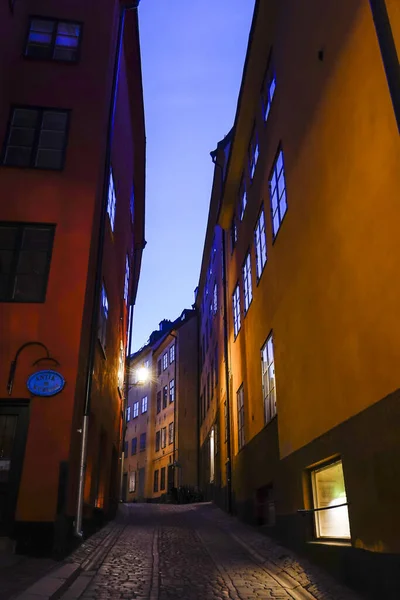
(187, 552)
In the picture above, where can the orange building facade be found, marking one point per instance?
(309, 289)
(71, 240)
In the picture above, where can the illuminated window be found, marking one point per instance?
(254, 152)
(277, 191)
(155, 484)
(165, 396)
(268, 379)
(144, 404)
(247, 285)
(37, 138)
(212, 455)
(135, 409)
(236, 310)
(260, 242)
(159, 401)
(112, 200)
(163, 437)
(142, 445)
(158, 440)
(126, 283)
(165, 361)
(242, 199)
(171, 433)
(240, 409)
(329, 494)
(268, 92)
(171, 390)
(132, 481)
(172, 354)
(25, 255)
(53, 39)
(134, 446)
(162, 480)
(128, 414)
(103, 317)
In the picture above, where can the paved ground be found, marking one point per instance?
(193, 552)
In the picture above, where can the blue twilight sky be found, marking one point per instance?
(193, 53)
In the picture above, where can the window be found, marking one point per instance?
(112, 200)
(268, 92)
(126, 282)
(329, 491)
(158, 438)
(260, 242)
(165, 361)
(240, 408)
(242, 200)
(156, 475)
(254, 152)
(142, 445)
(212, 455)
(128, 414)
(159, 401)
(268, 379)
(236, 310)
(233, 234)
(171, 390)
(247, 286)
(162, 480)
(37, 138)
(172, 354)
(103, 317)
(171, 433)
(53, 39)
(215, 299)
(126, 450)
(277, 191)
(165, 396)
(144, 404)
(121, 367)
(25, 255)
(159, 367)
(132, 481)
(133, 446)
(163, 437)
(135, 409)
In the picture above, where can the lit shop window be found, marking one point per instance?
(329, 494)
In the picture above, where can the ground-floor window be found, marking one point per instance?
(329, 494)
(156, 476)
(162, 481)
(212, 455)
(132, 481)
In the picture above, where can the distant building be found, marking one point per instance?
(71, 239)
(161, 443)
(301, 252)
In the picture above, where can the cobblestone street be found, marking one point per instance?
(192, 552)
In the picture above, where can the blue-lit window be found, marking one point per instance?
(144, 404)
(133, 446)
(260, 242)
(53, 40)
(135, 410)
(126, 283)
(103, 317)
(171, 390)
(268, 93)
(242, 199)
(277, 191)
(112, 200)
(254, 152)
(172, 354)
(128, 414)
(247, 285)
(215, 299)
(236, 310)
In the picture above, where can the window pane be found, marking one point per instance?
(8, 237)
(329, 491)
(32, 262)
(69, 29)
(6, 257)
(52, 140)
(45, 26)
(25, 117)
(55, 121)
(21, 136)
(37, 37)
(18, 157)
(35, 238)
(29, 288)
(49, 159)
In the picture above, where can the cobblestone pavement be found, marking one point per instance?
(19, 572)
(193, 552)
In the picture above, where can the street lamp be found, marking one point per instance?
(142, 375)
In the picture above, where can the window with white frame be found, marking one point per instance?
(240, 413)
(126, 282)
(247, 285)
(103, 317)
(112, 200)
(171, 433)
(128, 414)
(132, 481)
(171, 390)
(165, 361)
(330, 501)
(277, 192)
(254, 152)
(260, 243)
(172, 354)
(135, 409)
(165, 396)
(268, 92)
(236, 310)
(163, 437)
(212, 455)
(242, 199)
(268, 379)
(144, 404)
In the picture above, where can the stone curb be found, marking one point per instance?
(51, 586)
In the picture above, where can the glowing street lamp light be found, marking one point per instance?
(142, 375)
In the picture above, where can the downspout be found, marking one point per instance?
(175, 401)
(98, 269)
(388, 51)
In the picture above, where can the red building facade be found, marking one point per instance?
(71, 239)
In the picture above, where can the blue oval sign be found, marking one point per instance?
(45, 383)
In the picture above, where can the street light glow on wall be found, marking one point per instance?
(142, 375)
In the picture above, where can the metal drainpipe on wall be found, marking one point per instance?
(98, 272)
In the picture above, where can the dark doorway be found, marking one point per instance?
(14, 421)
(124, 486)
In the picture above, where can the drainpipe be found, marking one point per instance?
(98, 268)
(388, 51)
(175, 401)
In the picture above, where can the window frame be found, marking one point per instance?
(156, 481)
(111, 204)
(172, 354)
(134, 446)
(165, 361)
(158, 441)
(164, 397)
(162, 479)
(144, 404)
(258, 230)
(236, 311)
(247, 279)
(270, 412)
(163, 438)
(243, 200)
(171, 433)
(273, 175)
(142, 446)
(53, 44)
(254, 152)
(171, 387)
(241, 436)
(135, 411)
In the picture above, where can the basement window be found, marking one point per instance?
(330, 502)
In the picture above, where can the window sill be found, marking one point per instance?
(331, 542)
